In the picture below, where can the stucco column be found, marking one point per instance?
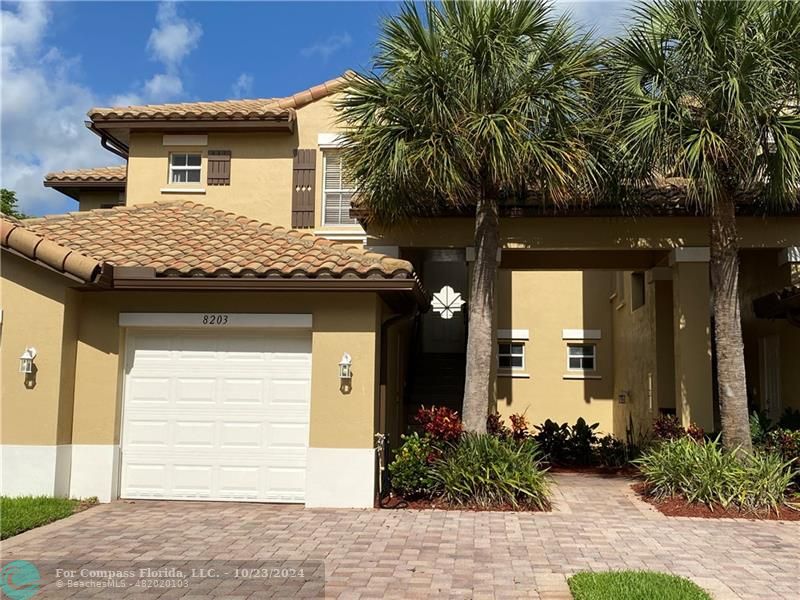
(691, 294)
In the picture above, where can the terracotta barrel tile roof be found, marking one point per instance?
(113, 174)
(251, 109)
(15, 236)
(188, 239)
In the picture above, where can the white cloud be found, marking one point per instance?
(174, 37)
(42, 112)
(327, 47)
(24, 29)
(243, 86)
(43, 107)
(605, 17)
(163, 87)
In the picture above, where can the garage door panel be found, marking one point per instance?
(241, 435)
(147, 433)
(194, 434)
(249, 391)
(148, 389)
(196, 390)
(217, 416)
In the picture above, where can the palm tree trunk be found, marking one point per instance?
(481, 338)
(731, 380)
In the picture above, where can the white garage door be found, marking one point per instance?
(216, 416)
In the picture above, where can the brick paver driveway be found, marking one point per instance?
(597, 525)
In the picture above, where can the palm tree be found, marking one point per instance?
(708, 91)
(468, 103)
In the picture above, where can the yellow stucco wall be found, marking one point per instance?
(79, 345)
(545, 303)
(341, 323)
(636, 356)
(39, 310)
(261, 167)
(92, 199)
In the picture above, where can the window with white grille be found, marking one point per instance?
(581, 357)
(184, 168)
(337, 191)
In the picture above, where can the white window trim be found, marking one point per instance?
(593, 356)
(179, 190)
(343, 233)
(516, 335)
(198, 168)
(325, 192)
(512, 371)
(581, 334)
(330, 140)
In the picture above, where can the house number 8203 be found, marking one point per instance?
(215, 319)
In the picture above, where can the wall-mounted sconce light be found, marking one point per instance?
(26, 360)
(345, 367)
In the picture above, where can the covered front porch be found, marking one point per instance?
(604, 318)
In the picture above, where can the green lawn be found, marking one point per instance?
(633, 585)
(26, 512)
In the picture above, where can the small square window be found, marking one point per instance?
(184, 168)
(581, 357)
(511, 355)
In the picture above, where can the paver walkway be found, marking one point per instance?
(598, 524)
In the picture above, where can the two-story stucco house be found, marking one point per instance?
(215, 323)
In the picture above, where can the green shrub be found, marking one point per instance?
(611, 451)
(759, 426)
(705, 473)
(410, 471)
(486, 471)
(552, 439)
(562, 444)
(786, 444)
(581, 442)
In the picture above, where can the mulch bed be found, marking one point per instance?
(397, 502)
(679, 507)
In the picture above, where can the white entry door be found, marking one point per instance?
(216, 415)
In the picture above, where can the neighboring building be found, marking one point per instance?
(188, 343)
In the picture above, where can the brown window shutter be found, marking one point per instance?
(303, 180)
(219, 167)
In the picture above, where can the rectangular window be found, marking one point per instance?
(184, 168)
(511, 356)
(337, 191)
(581, 357)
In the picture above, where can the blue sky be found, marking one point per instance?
(60, 59)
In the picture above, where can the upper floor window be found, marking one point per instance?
(511, 355)
(581, 357)
(184, 167)
(337, 191)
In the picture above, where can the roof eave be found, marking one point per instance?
(145, 278)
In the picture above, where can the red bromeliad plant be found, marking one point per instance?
(440, 423)
(519, 427)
